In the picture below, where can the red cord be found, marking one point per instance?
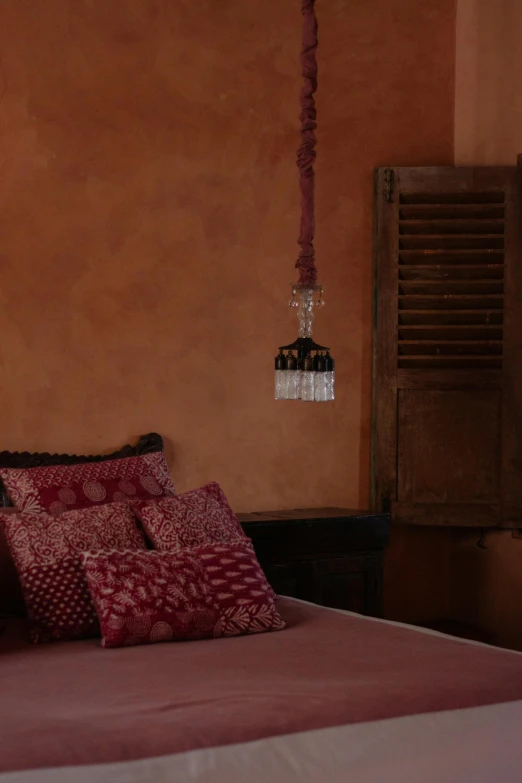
(306, 152)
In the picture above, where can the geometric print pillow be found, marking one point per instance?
(56, 488)
(245, 600)
(58, 605)
(46, 552)
(201, 516)
(211, 591)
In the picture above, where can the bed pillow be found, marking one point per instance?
(148, 597)
(201, 516)
(46, 552)
(55, 488)
(245, 600)
(97, 492)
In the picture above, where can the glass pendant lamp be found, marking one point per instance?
(305, 370)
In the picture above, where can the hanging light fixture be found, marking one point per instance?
(305, 370)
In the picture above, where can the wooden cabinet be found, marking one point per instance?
(328, 556)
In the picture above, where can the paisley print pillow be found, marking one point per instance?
(148, 597)
(201, 516)
(46, 552)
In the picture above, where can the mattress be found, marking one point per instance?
(475, 745)
(75, 703)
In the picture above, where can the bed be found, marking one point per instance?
(332, 689)
(335, 696)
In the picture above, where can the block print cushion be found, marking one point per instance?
(99, 491)
(211, 591)
(245, 600)
(201, 516)
(37, 490)
(58, 604)
(46, 552)
(147, 597)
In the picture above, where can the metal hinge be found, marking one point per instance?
(389, 181)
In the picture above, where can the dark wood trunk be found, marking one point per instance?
(329, 556)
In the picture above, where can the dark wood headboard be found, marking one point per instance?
(25, 459)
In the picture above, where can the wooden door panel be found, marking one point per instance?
(448, 446)
(456, 514)
(511, 471)
(447, 412)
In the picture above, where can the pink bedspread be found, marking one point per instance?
(76, 703)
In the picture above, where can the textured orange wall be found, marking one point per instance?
(486, 584)
(488, 98)
(148, 221)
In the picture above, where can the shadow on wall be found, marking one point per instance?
(417, 574)
(486, 584)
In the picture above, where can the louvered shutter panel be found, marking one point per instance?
(447, 391)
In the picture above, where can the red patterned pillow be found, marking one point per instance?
(211, 591)
(100, 491)
(147, 597)
(46, 552)
(201, 516)
(245, 600)
(36, 490)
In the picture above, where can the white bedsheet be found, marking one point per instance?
(478, 745)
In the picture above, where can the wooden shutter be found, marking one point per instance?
(447, 393)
